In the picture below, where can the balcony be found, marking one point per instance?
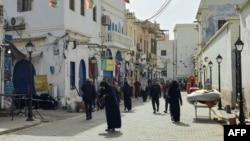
(116, 40)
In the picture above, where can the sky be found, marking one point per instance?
(177, 12)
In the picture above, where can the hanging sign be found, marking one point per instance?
(107, 65)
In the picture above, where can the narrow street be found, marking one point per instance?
(140, 124)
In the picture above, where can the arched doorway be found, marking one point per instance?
(23, 76)
(82, 75)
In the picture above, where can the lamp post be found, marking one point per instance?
(204, 68)
(29, 47)
(219, 60)
(210, 64)
(239, 47)
(200, 78)
(93, 61)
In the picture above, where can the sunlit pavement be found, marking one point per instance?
(140, 124)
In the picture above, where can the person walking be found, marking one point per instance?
(127, 93)
(155, 94)
(137, 86)
(148, 89)
(144, 89)
(175, 101)
(166, 97)
(113, 115)
(89, 94)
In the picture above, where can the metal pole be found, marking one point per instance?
(30, 113)
(237, 73)
(204, 78)
(211, 76)
(219, 104)
(241, 114)
(200, 79)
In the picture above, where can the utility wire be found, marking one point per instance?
(161, 10)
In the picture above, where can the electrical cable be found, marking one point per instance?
(163, 7)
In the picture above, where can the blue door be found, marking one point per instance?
(23, 77)
(82, 75)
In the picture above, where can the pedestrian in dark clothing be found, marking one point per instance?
(113, 115)
(155, 94)
(148, 89)
(127, 93)
(118, 91)
(175, 101)
(166, 97)
(89, 94)
(137, 85)
(144, 90)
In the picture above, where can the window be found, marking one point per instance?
(72, 74)
(94, 14)
(163, 53)
(72, 5)
(23, 5)
(82, 7)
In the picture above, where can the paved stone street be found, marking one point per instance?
(140, 124)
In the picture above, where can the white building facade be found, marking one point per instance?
(66, 38)
(219, 29)
(186, 39)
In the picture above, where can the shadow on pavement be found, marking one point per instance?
(181, 124)
(160, 114)
(115, 134)
(204, 121)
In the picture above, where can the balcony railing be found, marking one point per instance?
(114, 39)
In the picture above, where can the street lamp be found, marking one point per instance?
(204, 68)
(219, 60)
(200, 86)
(93, 61)
(29, 47)
(210, 64)
(239, 47)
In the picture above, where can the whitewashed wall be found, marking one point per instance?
(52, 23)
(245, 58)
(187, 39)
(223, 43)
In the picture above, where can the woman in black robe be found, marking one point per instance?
(113, 115)
(175, 101)
(127, 93)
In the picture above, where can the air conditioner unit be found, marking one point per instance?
(14, 21)
(104, 54)
(105, 20)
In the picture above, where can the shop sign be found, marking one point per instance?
(107, 65)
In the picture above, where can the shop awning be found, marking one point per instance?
(16, 54)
